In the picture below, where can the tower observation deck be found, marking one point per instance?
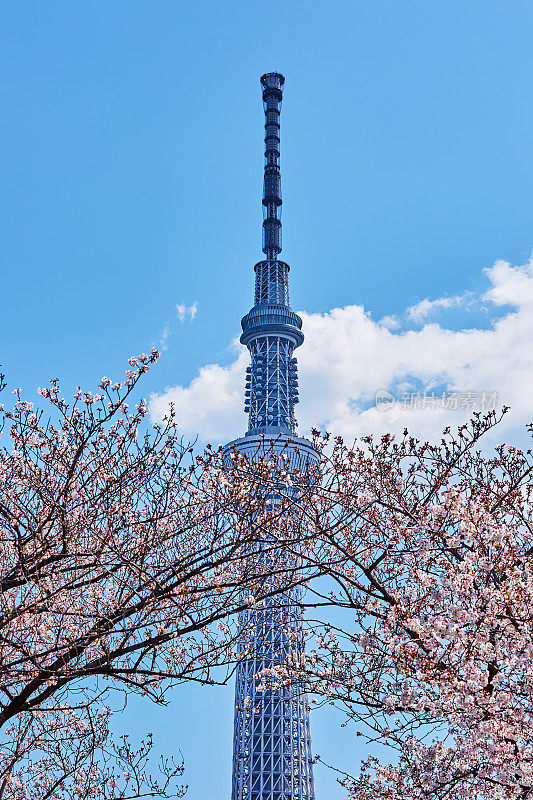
(272, 757)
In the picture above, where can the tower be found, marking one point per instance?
(272, 745)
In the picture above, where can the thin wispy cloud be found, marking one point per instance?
(426, 308)
(165, 333)
(348, 359)
(186, 313)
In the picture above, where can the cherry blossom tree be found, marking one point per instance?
(124, 562)
(126, 559)
(423, 632)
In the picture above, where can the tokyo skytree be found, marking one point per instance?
(272, 757)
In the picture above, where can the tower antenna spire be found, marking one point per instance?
(272, 83)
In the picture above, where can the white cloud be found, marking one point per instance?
(422, 310)
(183, 312)
(510, 285)
(391, 322)
(211, 405)
(347, 357)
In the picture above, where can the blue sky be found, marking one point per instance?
(132, 166)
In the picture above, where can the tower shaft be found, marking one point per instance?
(272, 757)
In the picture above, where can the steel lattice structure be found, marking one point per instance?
(272, 757)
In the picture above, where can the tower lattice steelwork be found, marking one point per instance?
(272, 746)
